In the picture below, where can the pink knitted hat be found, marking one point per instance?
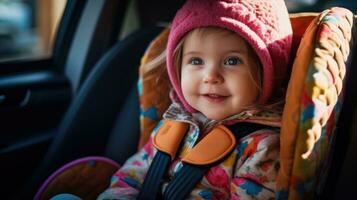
(264, 24)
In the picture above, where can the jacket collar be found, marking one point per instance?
(176, 112)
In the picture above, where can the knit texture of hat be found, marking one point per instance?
(264, 24)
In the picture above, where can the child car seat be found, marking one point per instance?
(313, 102)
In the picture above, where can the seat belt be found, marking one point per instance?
(194, 167)
(168, 138)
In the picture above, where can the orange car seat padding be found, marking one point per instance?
(214, 146)
(310, 113)
(292, 105)
(299, 24)
(169, 137)
(152, 97)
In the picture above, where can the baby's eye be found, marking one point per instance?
(232, 61)
(196, 61)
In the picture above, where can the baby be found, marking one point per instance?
(225, 60)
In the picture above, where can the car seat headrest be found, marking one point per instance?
(154, 98)
(319, 53)
(313, 102)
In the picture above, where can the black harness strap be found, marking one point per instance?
(152, 182)
(184, 180)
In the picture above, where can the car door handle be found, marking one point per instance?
(2, 98)
(16, 98)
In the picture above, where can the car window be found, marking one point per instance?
(27, 27)
(131, 20)
(298, 4)
(318, 5)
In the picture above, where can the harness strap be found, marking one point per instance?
(184, 181)
(152, 182)
(169, 136)
(167, 140)
(213, 148)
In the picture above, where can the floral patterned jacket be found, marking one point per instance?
(249, 172)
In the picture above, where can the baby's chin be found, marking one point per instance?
(219, 116)
(216, 116)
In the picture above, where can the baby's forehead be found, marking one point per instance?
(212, 37)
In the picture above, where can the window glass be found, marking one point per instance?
(351, 5)
(27, 27)
(318, 5)
(131, 20)
(297, 4)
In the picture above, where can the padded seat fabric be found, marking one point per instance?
(88, 122)
(313, 100)
(313, 103)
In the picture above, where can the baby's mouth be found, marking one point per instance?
(214, 98)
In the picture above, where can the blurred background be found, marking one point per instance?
(319, 5)
(27, 27)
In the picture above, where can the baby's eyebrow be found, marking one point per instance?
(240, 51)
(191, 52)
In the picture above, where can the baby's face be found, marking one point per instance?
(215, 73)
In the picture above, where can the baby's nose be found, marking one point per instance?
(213, 76)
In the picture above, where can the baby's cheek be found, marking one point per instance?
(187, 85)
(189, 97)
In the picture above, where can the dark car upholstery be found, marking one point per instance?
(103, 114)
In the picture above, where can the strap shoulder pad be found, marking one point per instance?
(169, 137)
(213, 147)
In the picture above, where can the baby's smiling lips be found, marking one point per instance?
(214, 98)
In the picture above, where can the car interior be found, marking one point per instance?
(83, 100)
